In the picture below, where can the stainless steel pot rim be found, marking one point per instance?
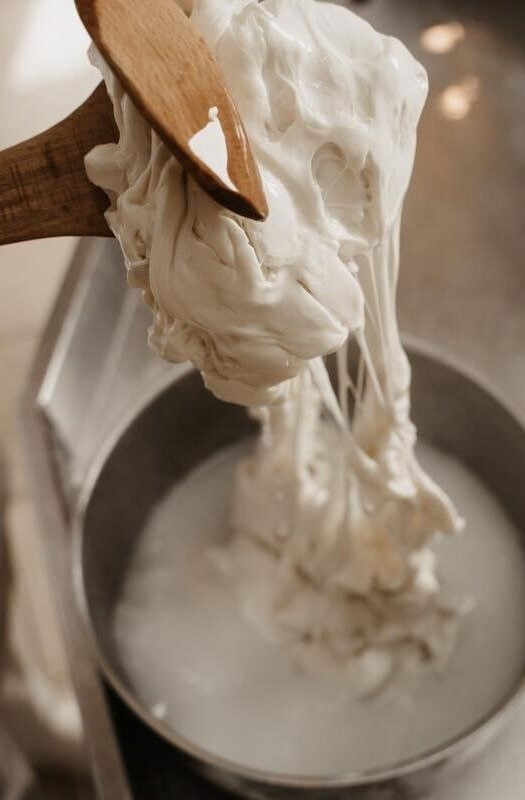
(400, 769)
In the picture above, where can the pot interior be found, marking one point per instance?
(183, 427)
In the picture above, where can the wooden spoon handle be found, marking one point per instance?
(44, 189)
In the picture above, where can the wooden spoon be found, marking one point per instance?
(168, 70)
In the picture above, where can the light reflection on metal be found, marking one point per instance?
(455, 102)
(442, 38)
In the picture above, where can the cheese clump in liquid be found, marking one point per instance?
(333, 516)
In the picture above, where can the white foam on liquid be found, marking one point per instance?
(184, 643)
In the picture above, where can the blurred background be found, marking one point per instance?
(44, 75)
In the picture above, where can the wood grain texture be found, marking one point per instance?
(44, 189)
(169, 71)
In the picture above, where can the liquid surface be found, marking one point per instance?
(194, 659)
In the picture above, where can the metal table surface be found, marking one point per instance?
(462, 287)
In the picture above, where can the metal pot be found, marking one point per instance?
(181, 424)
